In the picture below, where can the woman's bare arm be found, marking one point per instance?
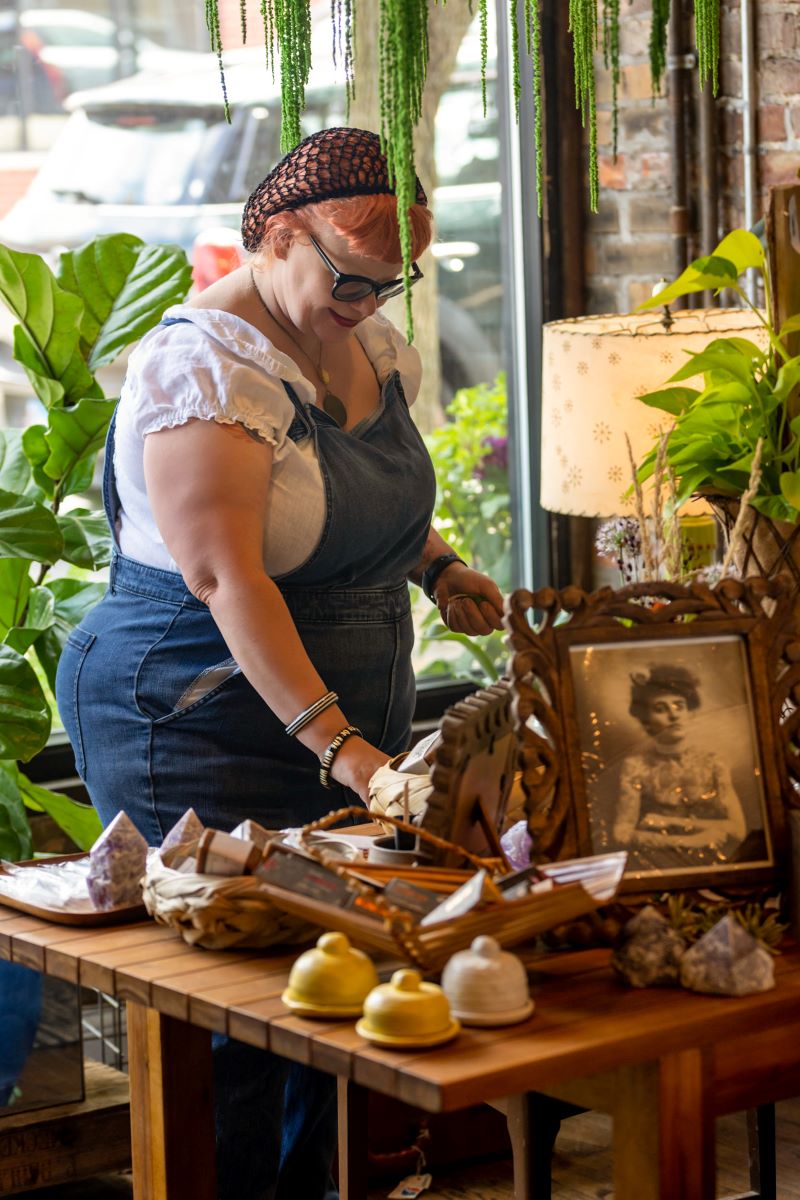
(208, 486)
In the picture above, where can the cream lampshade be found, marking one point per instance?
(594, 371)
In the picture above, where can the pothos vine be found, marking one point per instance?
(403, 63)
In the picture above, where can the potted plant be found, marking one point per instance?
(738, 432)
(103, 297)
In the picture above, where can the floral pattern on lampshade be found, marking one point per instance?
(595, 368)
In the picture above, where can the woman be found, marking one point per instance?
(677, 804)
(269, 496)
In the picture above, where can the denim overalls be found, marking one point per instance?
(161, 719)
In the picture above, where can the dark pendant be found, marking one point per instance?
(335, 408)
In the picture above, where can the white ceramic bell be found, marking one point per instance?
(486, 985)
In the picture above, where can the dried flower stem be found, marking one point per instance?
(638, 501)
(674, 543)
(737, 533)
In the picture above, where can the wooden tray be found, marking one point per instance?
(87, 916)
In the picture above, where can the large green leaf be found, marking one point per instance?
(73, 599)
(37, 452)
(39, 616)
(792, 325)
(743, 249)
(75, 433)
(50, 391)
(15, 832)
(15, 585)
(15, 470)
(28, 529)
(713, 359)
(51, 319)
(788, 379)
(790, 487)
(87, 541)
(24, 711)
(125, 286)
(672, 400)
(79, 821)
(704, 274)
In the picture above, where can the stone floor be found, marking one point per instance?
(581, 1166)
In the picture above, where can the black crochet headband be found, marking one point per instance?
(329, 165)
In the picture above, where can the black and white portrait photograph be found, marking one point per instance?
(669, 754)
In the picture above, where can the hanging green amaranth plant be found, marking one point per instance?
(611, 59)
(402, 70)
(344, 46)
(533, 45)
(403, 66)
(706, 32)
(212, 25)
(483, 20)
(583, 27)
(292, 25)
(657, 47)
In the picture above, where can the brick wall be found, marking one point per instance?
(628, 244)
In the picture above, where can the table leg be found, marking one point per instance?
(353, 1128)
(687, 1150)
(663, 1131)
(172, 1110)
(533, 1124)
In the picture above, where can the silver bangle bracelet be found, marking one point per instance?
(302, 719)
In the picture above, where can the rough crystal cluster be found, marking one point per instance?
(728, 961)
(651, 951)
(116, 865)
(179, 847)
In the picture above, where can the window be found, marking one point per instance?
(154, 156)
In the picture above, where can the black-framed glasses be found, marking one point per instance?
(357, 287)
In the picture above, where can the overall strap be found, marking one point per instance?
(111, 502)
(302, 426)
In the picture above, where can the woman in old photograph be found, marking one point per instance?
(677, 806)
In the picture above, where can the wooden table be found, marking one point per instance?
(665, 1063)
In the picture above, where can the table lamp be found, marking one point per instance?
(594, 371)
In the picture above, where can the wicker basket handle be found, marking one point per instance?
(494, 864)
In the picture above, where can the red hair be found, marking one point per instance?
(367, 223)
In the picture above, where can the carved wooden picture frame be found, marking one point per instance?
(597, 772)
(472, 773)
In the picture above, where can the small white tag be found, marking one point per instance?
(410, 1187)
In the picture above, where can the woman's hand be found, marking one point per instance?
(356, 763)
(468, 601)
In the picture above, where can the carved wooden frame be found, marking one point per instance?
(543, 625)
(472, 773)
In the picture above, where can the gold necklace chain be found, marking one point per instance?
(331, 404)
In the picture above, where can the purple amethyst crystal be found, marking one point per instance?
(116, 865)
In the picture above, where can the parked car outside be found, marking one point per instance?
(48, 53)
(152, 155)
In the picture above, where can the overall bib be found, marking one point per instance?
(161, 718)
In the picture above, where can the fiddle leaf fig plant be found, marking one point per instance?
(746, 396)
(102, 298)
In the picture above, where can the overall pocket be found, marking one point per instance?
(70, 666)
(185, 668)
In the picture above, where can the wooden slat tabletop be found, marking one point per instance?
(584, 1022)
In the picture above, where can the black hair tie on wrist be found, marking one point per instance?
(434, 570)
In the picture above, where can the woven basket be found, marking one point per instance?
(395, 932)
(766, 547)
(217, 913)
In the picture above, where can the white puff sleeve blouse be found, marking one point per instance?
(214, 366)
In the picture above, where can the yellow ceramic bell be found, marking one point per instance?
(407, 1012)
(331, 980)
